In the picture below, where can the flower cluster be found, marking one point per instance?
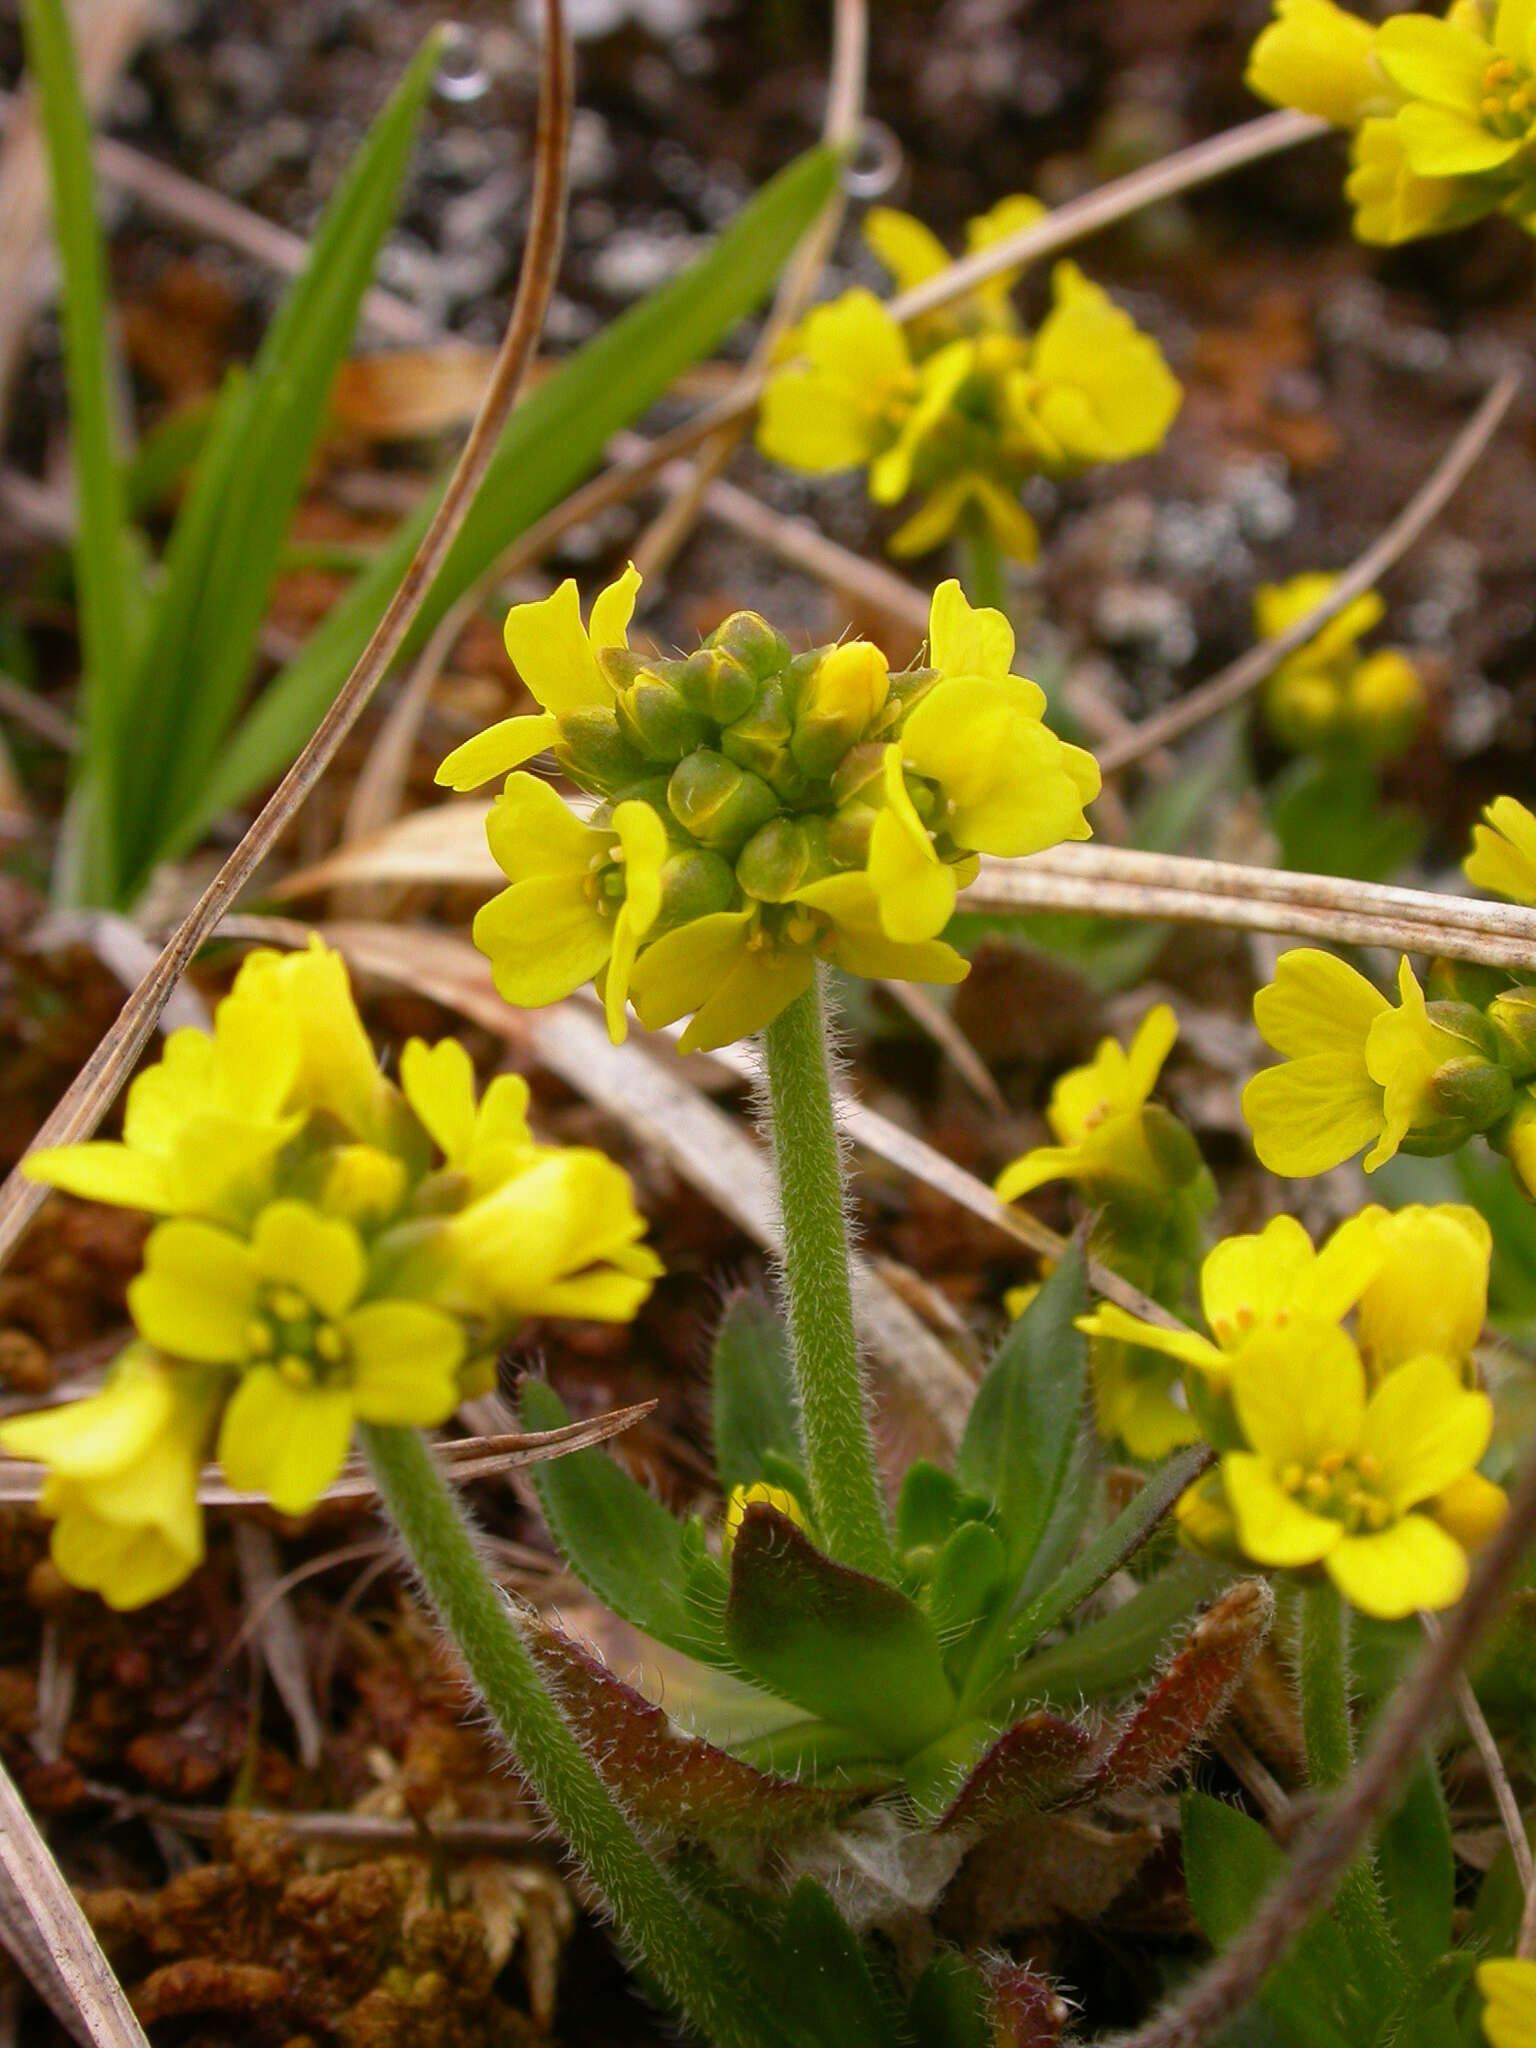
(1442, 111)
(331, 1249)
(757, 810)
(1453, 1059)
(968, 406)
(1139, 1170)
(1354, 1453)
(1328, 696)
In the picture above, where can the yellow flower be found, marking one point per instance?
(1358, 1072)
(1509, 1986)
(744, 1497)
(1332, 1477)
(558, 659)
(1503, 856)
(1430, 1292)
(763, 811)
(486, 1141)
(968, 406)
(1327, 690)
(122, 1477)
(1316, 57)
(286, 1311)
(1392, 203)
(582, 897)
(1470, 96)
(1253, 1285)
(204, 1126)
(1095, 1114)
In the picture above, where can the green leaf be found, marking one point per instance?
(103, 570)
(968, 1574)
(1229, 1865)
(1112, 1652)
(1024, 1422)
(1417, 1868)
(950, 2005)
(1133, 1527)
(821, 1982)
(620, 1542)
(225, 547)
(553, 440)
(1330, 820)
(753, 1389)
(847, 1648)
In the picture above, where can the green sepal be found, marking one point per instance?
(846, 1647)
(621, 1544)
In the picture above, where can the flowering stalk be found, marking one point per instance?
(683, 1953)
(1330, 1759)
(844, 1487)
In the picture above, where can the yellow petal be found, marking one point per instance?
(805, 425)
(293, 1245)
(1034, 1169)
(498, 750)
(405, 1363)
(1509, 1985)
(1503, 856)
(544, 938)
(1447, 142)
(551, 652)
(1108, 393)
(1403, 1052)
(282, 1441)
(106, 1432)
(537, 1245)
(1272, 1527)
(1391, 204)
(1249, 1282)
(1278, 606)
(1010, 525)
(106, 1172)
(1431, 1290)
(759, 987)
(439, 1084)
(1317, 1004)
(911, 252)
(1010, 790)
(940, 378)
(614, 607)
(1434, 61)
(935, 519)
(1425, 1429)
(1109, 1321)
(1408, 1566)
(197, 1293)
(1307, 1116)
(1471, 1510)
(914, 891)
(1154, 1040)
(1299, 1392)
(1316, 57)
(681, 970)
(1345, 1268)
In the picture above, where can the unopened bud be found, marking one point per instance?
(1513, 1017)
(1302, 708)
(839, 700)
(1386, 701)
(653, 713)
(1465, 981)
(1466, 1022)
(753, 643)
(715, 683)
(693, 884)
(720, 803)
(1517, 1141)
(594, 752)
(1464, 1096)
(760, 741)
(362, 1184)
(778, 861)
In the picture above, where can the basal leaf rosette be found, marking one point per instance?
(357, 1251)
(756, 811)
(1442, 109)
(963, 407)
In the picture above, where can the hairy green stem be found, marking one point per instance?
(845, 1487)
(1330, 1744)
(657, 1925)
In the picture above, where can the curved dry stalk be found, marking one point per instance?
(91, 1094)
(658, 546)
(1334, 1839)
(1172, 889)
(1243, 676)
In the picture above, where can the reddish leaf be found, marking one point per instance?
(1191, 1695)
(1027, 2011)
(1042, 1760)
(661, 1775)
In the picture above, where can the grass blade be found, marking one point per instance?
(556, 436)
(102, 572)
(225, 548)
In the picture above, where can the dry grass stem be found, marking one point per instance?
(90, 1096)
(1243, 676)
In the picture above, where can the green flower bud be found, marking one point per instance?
(752, 642)
(1465, 981)
(593, 752)
(653, 714)
(1471, 1095)
(1466, 1022)
(717, 801)
(760, 741)
(1513, 1017)
(693, 884)
(838, 703)
(1172, 1146)
(860, 776)
(715, 683)
(781, 858)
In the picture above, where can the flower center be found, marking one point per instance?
(287, 1331)
(1508, 99)
(1343, 1489)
